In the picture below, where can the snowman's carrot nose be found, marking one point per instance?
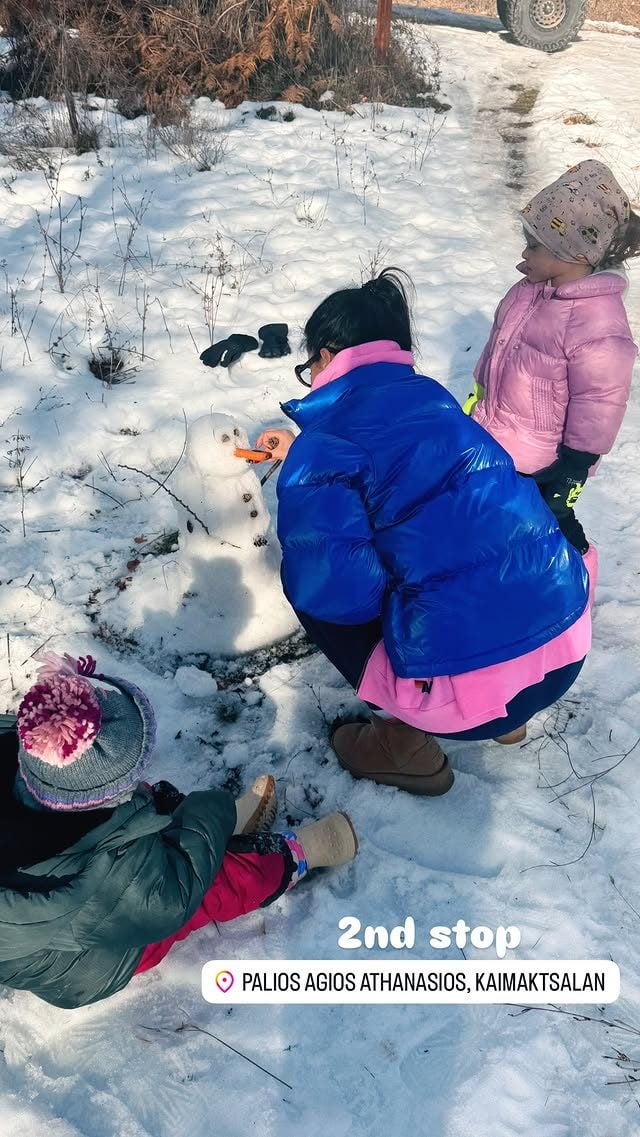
(253, 455)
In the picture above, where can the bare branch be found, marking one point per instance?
(175, 497)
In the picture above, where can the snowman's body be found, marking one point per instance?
(233, 598)
(224, 493)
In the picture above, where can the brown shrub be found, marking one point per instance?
(153, 55)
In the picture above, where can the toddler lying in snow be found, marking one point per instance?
(101, 873)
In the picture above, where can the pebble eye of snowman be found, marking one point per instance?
(236, 432)
(225, 438)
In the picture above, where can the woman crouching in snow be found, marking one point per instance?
(101, 873)
(429, 572)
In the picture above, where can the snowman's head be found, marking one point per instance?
(211, 444)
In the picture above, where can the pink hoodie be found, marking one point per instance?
(557, 369)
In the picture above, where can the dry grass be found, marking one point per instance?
(30, 134)
(618, 11)
(153, 54)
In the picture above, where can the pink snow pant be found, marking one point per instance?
(245, 881)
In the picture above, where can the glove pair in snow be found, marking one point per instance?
(561, 485)
(274, 345)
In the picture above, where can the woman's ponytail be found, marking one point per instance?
(378, 310)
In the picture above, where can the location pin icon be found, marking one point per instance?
(224, 981)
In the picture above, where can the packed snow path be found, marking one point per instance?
(302, 207)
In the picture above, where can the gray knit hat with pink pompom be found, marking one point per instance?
(82, 746)
(577, 217)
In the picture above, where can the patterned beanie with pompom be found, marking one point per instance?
(82, 746)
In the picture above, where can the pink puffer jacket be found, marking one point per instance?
(557, 369)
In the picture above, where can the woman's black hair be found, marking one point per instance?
(625, 244)
(379, 310)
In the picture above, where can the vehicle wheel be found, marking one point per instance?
(502, 12)
(548, 25)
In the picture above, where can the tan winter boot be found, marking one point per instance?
(513, 736)
(393, 753)
(329, 842)
(256, 810)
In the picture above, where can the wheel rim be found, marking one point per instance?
(548, 13)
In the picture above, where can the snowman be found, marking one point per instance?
(222, 491)
(229, 555)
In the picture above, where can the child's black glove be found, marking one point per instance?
(274, 341)
(226, 352)
(563, 481)
(572, 531)
(561, 485)
(166, 797)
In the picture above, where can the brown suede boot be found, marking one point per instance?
(513, 737)
(394, 754)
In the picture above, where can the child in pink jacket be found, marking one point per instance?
(553, 381)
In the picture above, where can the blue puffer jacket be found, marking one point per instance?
(393, 503)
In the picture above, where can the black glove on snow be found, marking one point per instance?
(274, 341)
(166, 797)
(226, 352)
(561, 485)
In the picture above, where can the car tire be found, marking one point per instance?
(502, 12)
(547, 25)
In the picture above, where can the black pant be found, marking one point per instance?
(346, 646)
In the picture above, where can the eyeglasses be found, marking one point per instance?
(300, 371)
(304, 367)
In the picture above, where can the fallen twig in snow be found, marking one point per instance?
(176, 464)
(39, 648)
(585, 781)
(619, 1057)
(589, 779)
(13, 686)
(201, 1030)
(106, 465)
(622, 897)
(574, 860)
(617, 1024)
(97, 489)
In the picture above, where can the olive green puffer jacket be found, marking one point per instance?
(73, 926)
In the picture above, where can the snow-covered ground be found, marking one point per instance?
(295, 209)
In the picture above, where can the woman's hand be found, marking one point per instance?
(276, 441)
